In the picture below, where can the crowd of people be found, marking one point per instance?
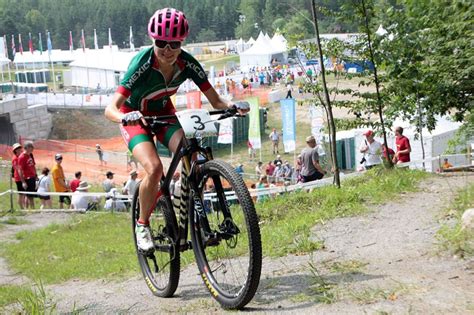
(31, 185)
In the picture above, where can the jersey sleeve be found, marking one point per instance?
(195, 72)
(137, 67)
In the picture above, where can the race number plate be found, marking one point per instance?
(196, 123)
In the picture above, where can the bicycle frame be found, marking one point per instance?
(187, 153)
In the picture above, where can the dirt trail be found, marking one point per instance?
(385, 261)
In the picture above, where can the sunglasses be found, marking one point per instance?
(172, 45)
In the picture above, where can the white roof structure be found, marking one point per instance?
(250, 42)
(57, 55)
(261, 53)
(279, 41)
(103, 59)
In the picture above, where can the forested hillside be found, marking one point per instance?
(209, 19)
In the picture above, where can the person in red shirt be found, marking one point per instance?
(76, 181)
(403, 147)
(384, 152)
(27, 172)
(16, 149)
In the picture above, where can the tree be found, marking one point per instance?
(206, 35)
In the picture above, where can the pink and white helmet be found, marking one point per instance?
(168, 24)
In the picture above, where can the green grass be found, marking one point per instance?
(452, 237)
(14, 221)
(90, 247)
(99, 245)
(28, 300)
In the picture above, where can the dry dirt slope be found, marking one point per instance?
(384, 262)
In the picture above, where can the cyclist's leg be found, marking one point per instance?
(140, 142)
(151, 163)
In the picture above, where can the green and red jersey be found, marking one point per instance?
(145, 87)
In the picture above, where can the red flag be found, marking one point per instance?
(20, 45)
(30, 43)
(193, 99)
(71, 46)
(83, 41)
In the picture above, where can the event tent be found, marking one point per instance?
(100, 68)
(262, 53)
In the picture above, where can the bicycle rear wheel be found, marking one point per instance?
(160, 267)
(225, 235)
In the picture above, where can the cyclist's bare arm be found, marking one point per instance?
(112, 110)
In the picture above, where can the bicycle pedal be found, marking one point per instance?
(147, 253)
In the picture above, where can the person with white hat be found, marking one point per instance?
(82, 201)
(131, 184)
(16, 150)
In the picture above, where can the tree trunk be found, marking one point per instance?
(377, 82)
(332, 125)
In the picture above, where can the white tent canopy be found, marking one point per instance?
(279, 41)
(262, 53)
(101, 67)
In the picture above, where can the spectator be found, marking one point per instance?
(311, 170)
(252, 154)
(100, 153)
(76, 181)
(112, 203)
(44, 186)
(108, 183)
(27, 172)
(287, 171)
(16, 149)
(372, 150)
(289, 89)
(259, 169)
(298, 166)
(275, 138)
(131, 185)
(82, 201)
(446, 164)
(269, 170)
(240, 169)
(262, 184)
(59, 181)
(403, 147)
(390, 152)
(278, 172)
(278, 160)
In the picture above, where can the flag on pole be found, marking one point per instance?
(96, 45)
(71, 45)
(13, 46)
(132, 45)
(289, 124)
(20, 44)
(40, 44)
(254, 124)
(5, 45)
(110, 39)
(30, 43)
(49, 44)
(83, 41)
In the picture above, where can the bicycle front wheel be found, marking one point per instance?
(160, 267)
(225, 235)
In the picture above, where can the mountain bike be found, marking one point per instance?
(216, 206)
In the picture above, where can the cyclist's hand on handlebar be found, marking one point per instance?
(133, 118)
(241, 107)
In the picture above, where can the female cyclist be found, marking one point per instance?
(153, 75)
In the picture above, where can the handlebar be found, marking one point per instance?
(225, 113)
